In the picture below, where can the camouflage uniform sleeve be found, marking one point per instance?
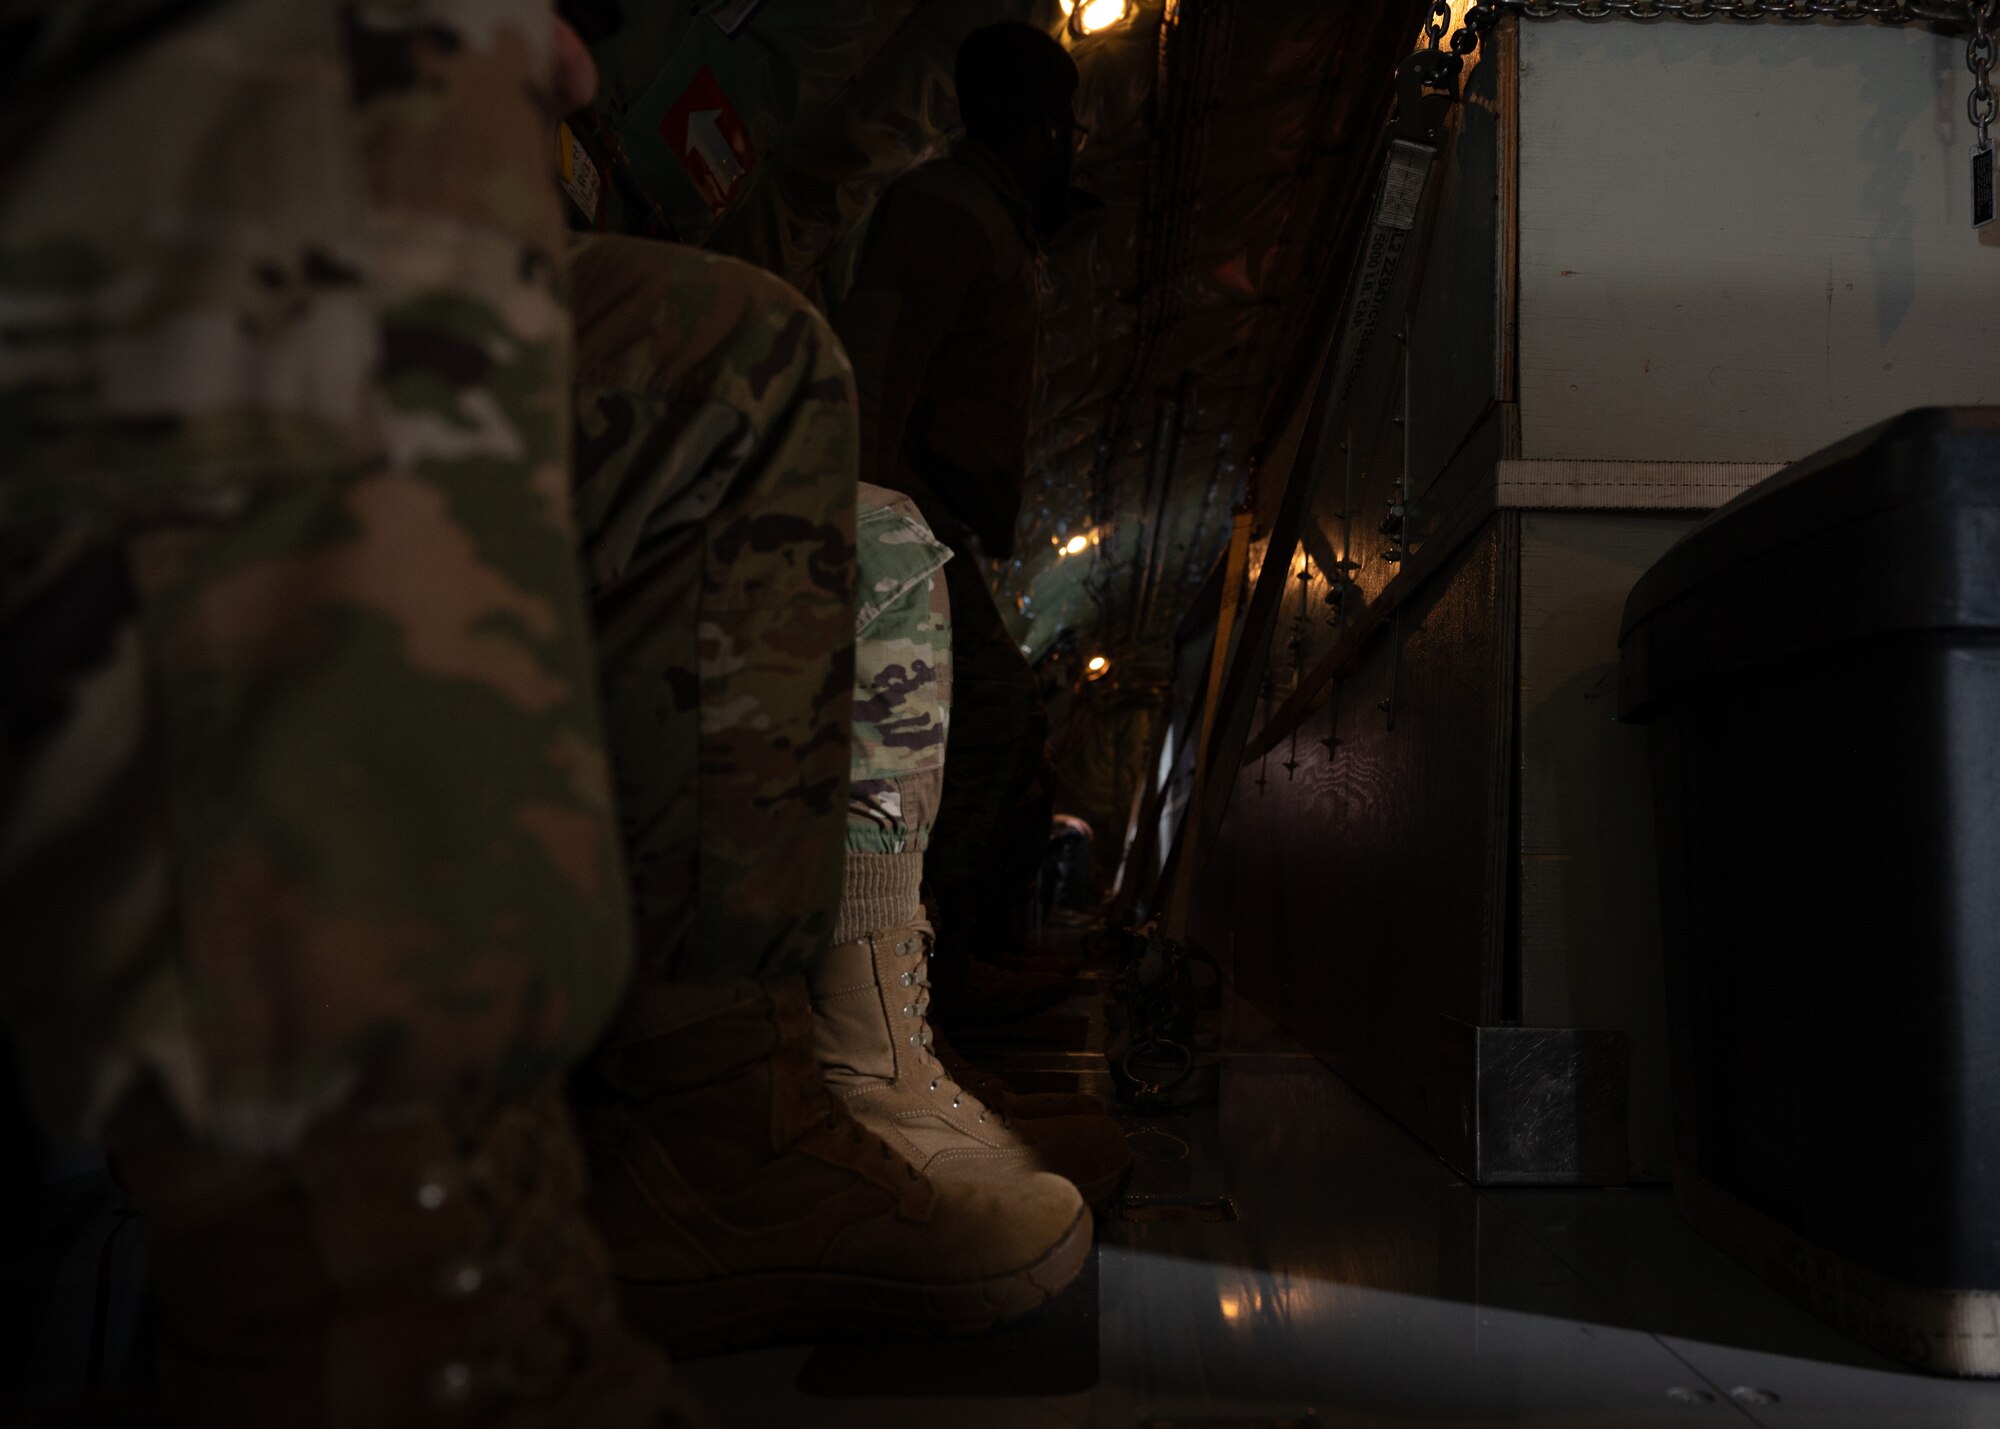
(303, 800)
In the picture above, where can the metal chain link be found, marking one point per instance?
(1976, 17)
(1980, 106)
(1887, 12)
(1480, 18)
(1437, 24)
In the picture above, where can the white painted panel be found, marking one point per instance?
(1742, 242)
(1590, 910)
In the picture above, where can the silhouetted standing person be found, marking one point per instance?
(941, 324)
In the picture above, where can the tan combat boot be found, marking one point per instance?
(743, 1204)
(871, 997)
(385, 1276)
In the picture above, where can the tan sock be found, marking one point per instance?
(878, 890)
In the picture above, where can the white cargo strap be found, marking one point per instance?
(1397, 199)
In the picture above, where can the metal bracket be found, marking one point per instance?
(1533, 1106)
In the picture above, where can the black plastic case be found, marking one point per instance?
(1819, 665)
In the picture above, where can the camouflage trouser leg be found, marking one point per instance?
(716, 454)
(302, 799)
(991, 829)
(902, 709)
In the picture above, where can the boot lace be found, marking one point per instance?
(915, 943)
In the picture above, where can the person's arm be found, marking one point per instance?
(922, 258)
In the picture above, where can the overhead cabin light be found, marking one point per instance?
(1091, 17)
(1076, 546)
(1098, 665)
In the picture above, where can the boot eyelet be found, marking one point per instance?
(908, 979)
(934, 1086)
(954, 1103)
(910, 1009)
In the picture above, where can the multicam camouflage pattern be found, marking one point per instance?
(902, 678)
(302, 799)
(716, 441)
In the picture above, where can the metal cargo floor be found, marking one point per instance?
(1361, 1283)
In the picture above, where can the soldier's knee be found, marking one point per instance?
(658, 316)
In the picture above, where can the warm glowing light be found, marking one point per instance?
(1068, 5)
(1077, 546)
(1459, 9)
(1098, 665)
(1095, 15)
(1231, 1307)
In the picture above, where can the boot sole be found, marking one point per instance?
(706, 1317)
